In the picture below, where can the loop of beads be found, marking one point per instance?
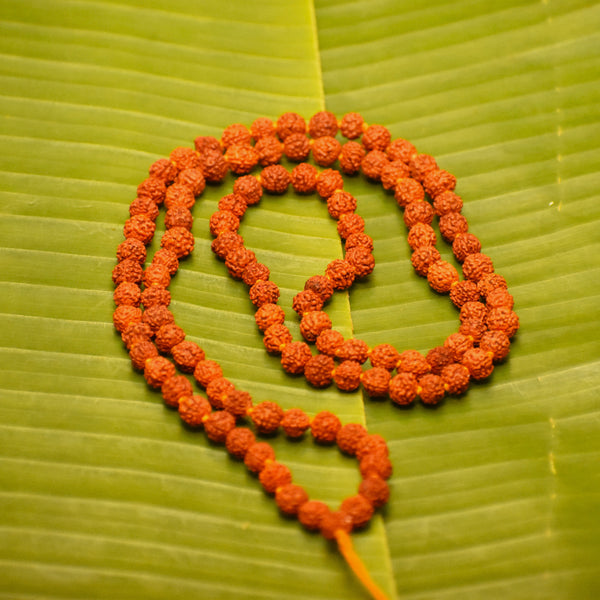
(487, 321)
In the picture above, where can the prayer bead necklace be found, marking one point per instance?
(487, 321)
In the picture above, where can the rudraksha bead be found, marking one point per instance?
(269, 314)
(238, 441)
(452, 224)
(127, 293)
(313, 323)
(392, 172)
(421, 234)
(479, 362)
(193, 410)
(294, 356)
(353, 349)
(341, 273)
(503, 319)
(263, 292)
(418, 212)
(266, 416)
(359, 509)
(236, 133)
(249, 188)
(290, 498)
(463, 292)
(217, 390)
(157, 316)
(174, 388)
(403, 388)
(422, 259)
(324, 427)
(184, 158)
(325, 150)
(351, 157)
(258, 455)
(178, 240)
(362, 260)
(375, 490)
(349, 436)
(319, 370)
(328, 182)
(320, 285)
(376, 137)
(269, 150)
(157, 370)
(400, 149)
(304, 178)
(235, 203)
(307, 301)
(276, 337)
(262, 127)
(499, 297)
(192, 178)
(347, 375)
(407, 191)
(438, 181)
(421, 165)
(496, 342)
(385, 356)
(458, 344)
(456, 378)
(490, 282)
(132, 249)
(295, 422)
(414, 362)
(359, 240)
(376, 382)
(144, 206)
(329, 341)
(438, 358)
(179, 195)
(139, 353)
(254, 272)
(341, 202)
(275, 179)
(296, 147)
(127, 270)
(156, 295)
(477, 266)
(218, 425)
(351, 125)
(237, 402)
(447, 202)
(465, 244)
(431, 388)
(373, 164)
(156, 274)
(168, 336)
(441, 276)
(323, 123)
(187, 355)
(206, 371)
(178, 216)
(312, 513)
(288, 123)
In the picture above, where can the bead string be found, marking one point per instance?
(151, 334)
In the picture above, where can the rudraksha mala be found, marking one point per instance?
(420, 188)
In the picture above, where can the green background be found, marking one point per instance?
(103, 494)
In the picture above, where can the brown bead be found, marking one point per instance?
(324, 427)
(347, 375)
(307, 301)
(400, 149)
(329, 341)
(290, 498)
(193, 179)
(155, 296)
(341, 273)
(264, 292)
(163, 169)
(276, 337)
(376, 137)
(168, 258)
(497, 343)
(214, 167)
(141, 352)
(351, 157)
(373, 164)
(184, 158)
(135, 333)
(463, 292)
(456, 378)
(127, 293)
(313, 323)
(439, 181)
(217, 390)
(274, 476)
(341, 202)
(423, 257)
(153, 188)
(328, 182)
(236, 133)
(421, 165)
(322, 123)
(438, 358)
(431, 389)
(187, 355)
(179, 216)
(442, 276)
(418, 212)
(157, 316)
(353, 349)
(269, 150)
(408, 191)
(132, 249)
(372, 444)
(262, 127)
(385, 356)
(296, 147)
(249, 188)
(157, 274)
(168, 336)
(140, 227)
(499, 297)
(207, 144)
(174, 388)
(451, 225)
(304, 178)
(226, 242)
(295, 422)
(218, 425)
(238, 441)
(473, 310)
(258, 455)
(359, 509)
(489, 283)
(294, 356)
(237, 402)
(144, 206)
(413, 362)
(332, 522)
(351, 125)
(421, 234)
(206, 371)
(359, 239)
(254, 272)
(157, 370)
(312, 513)
(321, 286)
(362, 260)
(375, 490)
(319, 370)
(465, 244)
(376, 464)
(349, 437)
(238, 259)
(223, 220)
(234, 203)
(325, 150)
(392, 172)
(503, 319)
(479, 362)
(269, 314)
(179, 195)
(473, 328)
(178, 240)
(266, 416)
(193, 410)
(288, 123)
(458, 344)
(447, 202)
(477, 266)
(376, 382)
(275, 179)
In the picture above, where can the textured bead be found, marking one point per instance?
(157, 370)
(254, 272)
(238, 441)
(362, 260)
(503, 319)
(347, 375)
(376, 464)
(325, 150)
(295, 422)
(421, 165)
(385, 356)
(464, 291)
(438, 358)
(214, 167)
(217, 426)
(473, 328)
(373, 164)
(431, 388)
(323, 123)
(490, 282)
(349, 436)
(178, 240)
(458, 344)
(456, 378)
(438, 181)
(127, 293)
(136, 332)
(275, 179)
(235, 203)
(257, 456)
(451, 225)
(153, 188)
(144, 206)
(294, 356)
(477, 266)
(319, 370)
(132, 249)
(163, 169)
(375, 490)
(140, 227)
(307, 301)
(324, 427)
(376, 137)
(329, 341)
(206, 371)
(403, 388)
(408, 191)
(341, 273)
(223, 220)
(400, 149)
(304, 178)
(312, 513)
(178, 216)
(353, 349)
(288, 123)
(351, 125)
(262, 127)
(313, 324)
(376, 382)
(447, 202)
(237, 402)
(168, 258)
(372, 444)
(333, 522)
(179, 195)
(273, 476)
(187, 355)
(496, 342)
(263, 292)
(236, 133)
(193, 410)
(140, 352)
(499, 297)
(465, 244)
(418, 212)
(473, 310)
(225, 243)
(479, 363)
(351, 157)
(290, 498)
(206, 144)
(359, 509)
(157, 316)
(157, 274)
(422, 259)
(296, 147)
(192, 178)
(359, 240)
(341, 202)
(174, 388)
(217, 390)
(269, 314)
(266, 416)
(442, 276)
(276, 337)
(421, 234)
(184, 158)
(249, 188)
(269, 151)
(320, 285)
(413, 362)
(392, 172)
(328, 182)
(168, 336)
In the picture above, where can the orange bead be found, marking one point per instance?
(325, 150)
(295, 422)
(275, 179)
(349, 436)
(359, 509)
(266, 416)
(273, 476)
(442, 276)
(319, 370)
(290, 498)
(376, 382)
(324, 427)
(193, 410)
(351, 125)
(347, 375)
(322, 123)
(174, 388)
(217, 426)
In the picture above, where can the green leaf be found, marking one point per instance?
(103, 494)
